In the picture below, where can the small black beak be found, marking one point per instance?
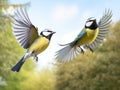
(53, 32)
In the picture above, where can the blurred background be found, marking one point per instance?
(99, 70)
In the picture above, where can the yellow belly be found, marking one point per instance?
(89, 37)
(39, 45)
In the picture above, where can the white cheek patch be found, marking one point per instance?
(46, 33)
(88, 24)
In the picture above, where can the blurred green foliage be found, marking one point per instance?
(10, 53)
(99, 70)
(43, 80)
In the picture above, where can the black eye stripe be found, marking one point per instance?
(47, 31)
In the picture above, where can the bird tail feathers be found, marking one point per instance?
(18, 66)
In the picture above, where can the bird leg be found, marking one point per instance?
(36, 58)
(82, 50)
(90, 48)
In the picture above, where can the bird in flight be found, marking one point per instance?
(27, 36)
(91, 36)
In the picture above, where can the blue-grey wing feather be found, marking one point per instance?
(81, 34)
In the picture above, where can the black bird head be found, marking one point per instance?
(91, 23)
(47, 33)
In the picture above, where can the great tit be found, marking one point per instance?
(27, 36)
(90, 37)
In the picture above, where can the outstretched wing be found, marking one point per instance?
(23, 29)
(103, 26)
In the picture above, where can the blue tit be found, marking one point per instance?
(27, 36)
(91, 36)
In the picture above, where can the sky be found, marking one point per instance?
(66, 18)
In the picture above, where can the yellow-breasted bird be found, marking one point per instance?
(90, 37)
(27, 35)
